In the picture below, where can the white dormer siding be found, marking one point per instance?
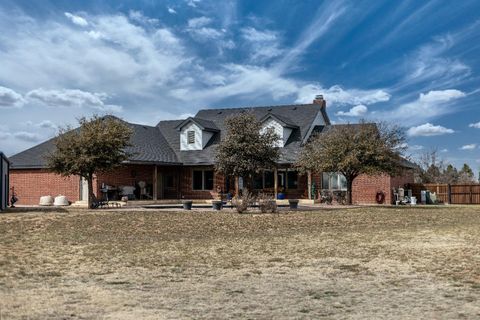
(201, 137)
(282, 132)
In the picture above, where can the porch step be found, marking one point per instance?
(80, 204)
(84, 204)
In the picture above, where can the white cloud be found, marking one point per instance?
(444, 150)
(192, 3)
(336, 95)
(440, 96)
(428, 130)
(27, 136)
(416, 147)
(263, 44)
(357, 111)
(199, 22)
(141, 18)
(76, 19)
(474, 125)
(4, 135)
(254, 35)
(171, 10)
(47, 124)
(428, 106)
(115, 55)
(72, 98)
(468, 147)
(199, 30)
(9, 98)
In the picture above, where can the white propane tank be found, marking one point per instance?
(61, 201)
(46, 201)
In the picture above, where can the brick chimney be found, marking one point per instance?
(319, 100)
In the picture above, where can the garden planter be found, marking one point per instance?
(217, 205)
(187, 204)
(281, 196)
(293, 203)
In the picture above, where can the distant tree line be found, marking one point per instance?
(432, 169)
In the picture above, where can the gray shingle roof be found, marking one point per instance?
(149, 146)
(299, 116)
(161, 144)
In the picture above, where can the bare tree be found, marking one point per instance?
(246, 149)
(354, 149)
(98, 145)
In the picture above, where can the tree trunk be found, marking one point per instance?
(91, 196)
(349, 190)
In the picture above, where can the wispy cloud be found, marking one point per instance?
(431, 67)
(76, 19)
(264, 43)
(325, 18)
(428, 130)
(428, 106)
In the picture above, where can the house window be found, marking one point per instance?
(191, 137)
(169, 181)
(266, 179)
(269, 179)
(202, 180)
(258, 181)
(333, 181)
(292, 179)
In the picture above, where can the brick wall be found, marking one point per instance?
(31, 184)
(128, 175)
(365, 187)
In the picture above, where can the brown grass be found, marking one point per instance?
(361, 263)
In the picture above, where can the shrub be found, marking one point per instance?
(266, 203)
(241, 203)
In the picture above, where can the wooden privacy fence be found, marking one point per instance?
(450, 193)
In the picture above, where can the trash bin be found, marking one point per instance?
(423, 196)
(413, 201)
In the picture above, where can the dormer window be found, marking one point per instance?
(281, 126)
(191, 137)
(196, 133)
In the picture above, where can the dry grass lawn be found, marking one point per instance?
(362, 263)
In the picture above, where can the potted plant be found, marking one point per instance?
(187, 204)
(293, 203)
(281, 194)
(217, 204)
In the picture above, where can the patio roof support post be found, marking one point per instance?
(309, 184)
(237, 186)
(275, 182)
(155, 183)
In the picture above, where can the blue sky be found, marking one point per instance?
(413, 63)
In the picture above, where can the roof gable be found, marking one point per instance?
(202, 123)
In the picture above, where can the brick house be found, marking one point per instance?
(174, 160)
